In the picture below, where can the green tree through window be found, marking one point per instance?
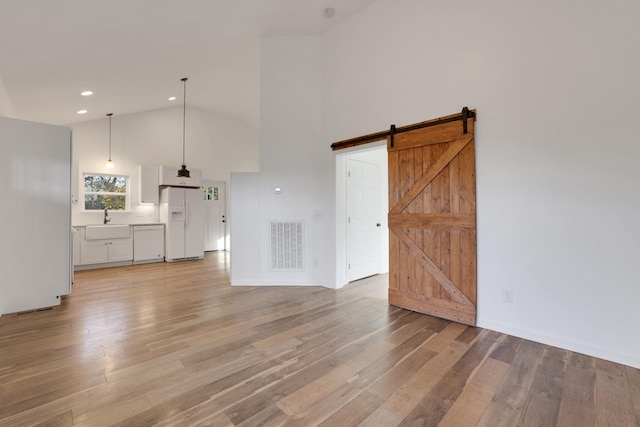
(105, 192)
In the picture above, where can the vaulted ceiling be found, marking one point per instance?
(133, 53)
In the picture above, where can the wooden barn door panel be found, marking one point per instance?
(432, 221)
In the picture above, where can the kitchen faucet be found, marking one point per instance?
(106, 216)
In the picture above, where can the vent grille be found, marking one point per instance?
(287, 244)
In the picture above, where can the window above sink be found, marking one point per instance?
(105, 191)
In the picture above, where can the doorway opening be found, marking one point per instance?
(362, 206)
(215, 224)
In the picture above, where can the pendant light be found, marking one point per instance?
(109, 162)
(184, 172)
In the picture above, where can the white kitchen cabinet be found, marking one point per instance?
(105, 251)
(94, 251)
(148, 184)
(120, 250)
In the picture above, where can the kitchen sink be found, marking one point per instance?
(108, 231)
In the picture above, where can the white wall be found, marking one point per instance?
(555, 86)
(244, 209)
(6, 106)
(214, 143)
(295, 158)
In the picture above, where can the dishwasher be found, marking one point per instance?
(148, 243)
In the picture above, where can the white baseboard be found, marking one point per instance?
(277, 283)
(583, 347)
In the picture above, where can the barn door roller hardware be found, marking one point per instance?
(392, 132)
(464, 116)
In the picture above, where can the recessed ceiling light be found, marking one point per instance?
(86, 93)
(172, 98)
(82, 111)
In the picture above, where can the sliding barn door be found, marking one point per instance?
(432, 219)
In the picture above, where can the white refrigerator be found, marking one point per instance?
(35, 215)
(182, 211)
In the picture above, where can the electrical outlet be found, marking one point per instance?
(507, 295)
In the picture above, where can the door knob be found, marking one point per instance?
(378, 224)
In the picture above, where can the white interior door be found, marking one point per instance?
(363, 221)
(215, 224)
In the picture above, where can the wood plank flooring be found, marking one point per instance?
(176, 345)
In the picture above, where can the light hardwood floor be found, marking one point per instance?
(175, 345)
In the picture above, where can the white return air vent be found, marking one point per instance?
(287, 245)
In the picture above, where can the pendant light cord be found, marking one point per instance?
(184, 118)
(109, 115)
(183, 172)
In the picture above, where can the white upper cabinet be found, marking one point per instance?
(148, 184)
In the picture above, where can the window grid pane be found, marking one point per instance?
(105, 183)
(100, 202)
